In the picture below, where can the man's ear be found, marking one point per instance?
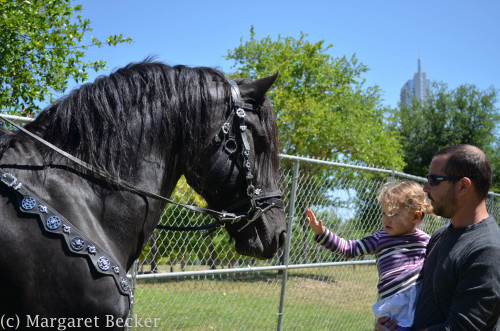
(464, 186)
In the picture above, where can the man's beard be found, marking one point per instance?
(447, 206)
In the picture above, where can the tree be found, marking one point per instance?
(465, 115)
(322, 107)
(41, 47)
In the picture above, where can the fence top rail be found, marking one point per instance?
(343, 165)
(21, 119)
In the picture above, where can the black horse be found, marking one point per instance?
(68, 234)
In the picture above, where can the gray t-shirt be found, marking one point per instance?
(460, 279)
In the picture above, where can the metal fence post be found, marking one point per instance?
(291, 213)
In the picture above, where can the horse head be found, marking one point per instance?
(239, 172)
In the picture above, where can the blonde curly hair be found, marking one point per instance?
(407, 194)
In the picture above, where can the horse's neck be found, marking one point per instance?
(119, 221)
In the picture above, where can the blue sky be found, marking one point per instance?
(458, 41)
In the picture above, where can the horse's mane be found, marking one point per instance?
(104, 122)
(101, 121)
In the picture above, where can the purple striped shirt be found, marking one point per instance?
(399, 258)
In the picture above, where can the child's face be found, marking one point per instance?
(398, 221)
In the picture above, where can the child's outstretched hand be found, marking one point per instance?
(316, 226)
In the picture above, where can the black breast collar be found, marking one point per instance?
(76, 241)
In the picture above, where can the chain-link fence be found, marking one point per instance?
(196, 281)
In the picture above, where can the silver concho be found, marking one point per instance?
(28, 203)
(103, 263)
(53, 222)
(124, 284)
(116, 270)
(43, 209)
(77, 243)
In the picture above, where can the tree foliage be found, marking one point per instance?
(42, 46)
(465, 115)
(322, 106)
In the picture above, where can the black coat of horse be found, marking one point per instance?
(147, 124)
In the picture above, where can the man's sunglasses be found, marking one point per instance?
(434, 180)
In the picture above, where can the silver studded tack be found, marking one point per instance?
(66, 229)
(53, 222)
(77, 243)
(103, 263)
(8, 179)
(28, 203)
(124, 284)
(91, 250)
(240, 112)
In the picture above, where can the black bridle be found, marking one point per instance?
(258, 201)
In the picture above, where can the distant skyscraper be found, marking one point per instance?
(416, 87)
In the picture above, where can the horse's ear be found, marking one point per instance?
(257, 89)
(263, 85)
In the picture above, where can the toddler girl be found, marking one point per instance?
(399, 248)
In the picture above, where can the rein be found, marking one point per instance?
(230, 146)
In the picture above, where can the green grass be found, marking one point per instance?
(331, 298)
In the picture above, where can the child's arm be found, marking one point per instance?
(338, 245)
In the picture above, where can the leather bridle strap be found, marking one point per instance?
(261, 196)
